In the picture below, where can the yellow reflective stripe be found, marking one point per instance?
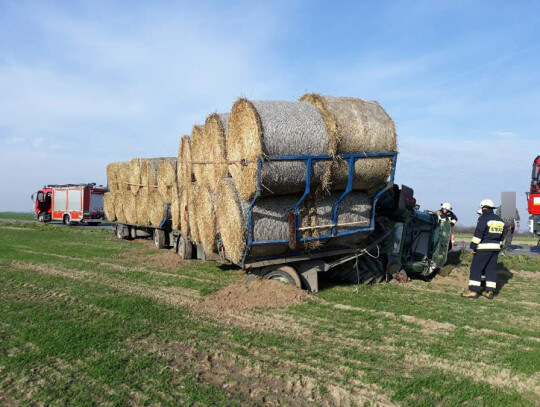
(474, 283)
(491, 284)
(476, 240)
(489, 246)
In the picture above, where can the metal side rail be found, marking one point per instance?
(294, 217)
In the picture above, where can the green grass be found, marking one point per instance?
(90, 320)
(17, 215)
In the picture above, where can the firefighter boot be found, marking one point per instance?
(470, 294)
(488, 294)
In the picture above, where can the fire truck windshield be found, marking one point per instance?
(535, 184)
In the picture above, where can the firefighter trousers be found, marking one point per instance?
(484, 263)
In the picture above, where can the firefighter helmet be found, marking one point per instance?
(487, 202)
(447, 206)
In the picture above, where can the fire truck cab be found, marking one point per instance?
(533, 198)
(70, 203)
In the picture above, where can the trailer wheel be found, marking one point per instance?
(160, 239)
(184, 248)
(284, 274)
(67, 220)
(120, 231)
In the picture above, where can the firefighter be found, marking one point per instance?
(510, 225)
(446, 214)
(486, 245)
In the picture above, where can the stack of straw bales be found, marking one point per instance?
(140, 189)
(213, 179)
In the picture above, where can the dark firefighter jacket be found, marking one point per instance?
(449, 216)
(489, 232)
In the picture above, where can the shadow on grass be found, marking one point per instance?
(504, 275)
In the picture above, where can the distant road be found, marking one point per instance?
(514, 250)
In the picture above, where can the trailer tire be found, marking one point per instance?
(120, 231)
(184, 248)
(160, 240)
(284, 274)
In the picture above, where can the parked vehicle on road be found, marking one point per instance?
(70, 203)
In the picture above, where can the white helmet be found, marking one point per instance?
(487, 202)
(446, 206)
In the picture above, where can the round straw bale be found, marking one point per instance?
(166, 178)
(149, 171)
(135, 167)
(122, 176)
(176, 202)
(199, 155)
(141, 202)
(264, 128)
(156, 207)
(215, 139)
(192, 210)
(354, 212)
(108, 206)
(111, 177)
(184, 214)
(206, 218)
(270, 221)
(356, 125)
(130, 206)
(119, 206)
(184, 168)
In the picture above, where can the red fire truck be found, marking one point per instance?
(533, 197)
(70, 203)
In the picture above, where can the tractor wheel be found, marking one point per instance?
(284, 274)
(160, 240)
(184, 248)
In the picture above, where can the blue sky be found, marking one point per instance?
(86, 83)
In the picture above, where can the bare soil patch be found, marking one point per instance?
(236, 374)
(458, 277)
(149, 256)
(258, 293)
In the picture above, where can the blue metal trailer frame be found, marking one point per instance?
(309, 160)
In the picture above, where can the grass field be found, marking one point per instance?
(90, 320)
(16, 215)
